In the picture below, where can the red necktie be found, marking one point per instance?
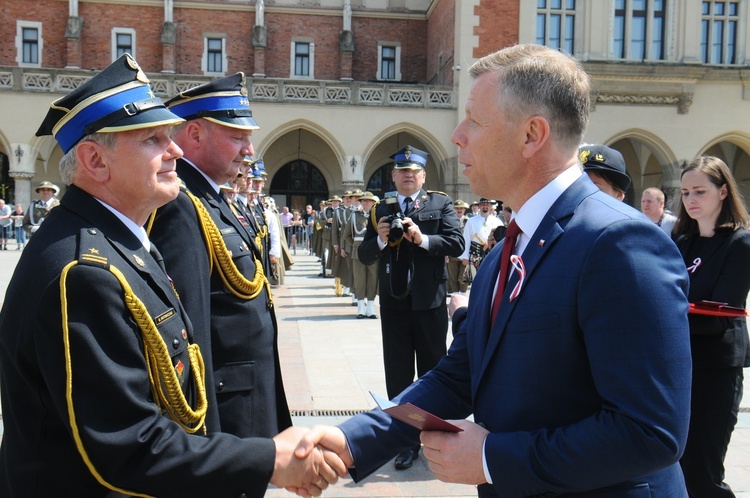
(511, 235)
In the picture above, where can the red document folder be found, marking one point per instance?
(713, 308)
(414, 416)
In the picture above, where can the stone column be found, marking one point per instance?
(22, 170)
(346, 41)
(259, 46)
(168, 43)
(74, 55)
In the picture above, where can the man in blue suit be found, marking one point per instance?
(580, 384)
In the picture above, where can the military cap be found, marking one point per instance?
(335, 198)
(348, 193)
(119, 98)
(410, 158)
(607, 162)
(261, 167)
(367, 196)
(483, 200)
(255, 172)
(223, 101)
(48, 184)
(458, 203)
(357, 193)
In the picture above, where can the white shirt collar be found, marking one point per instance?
(138, 231)
(530, 215)
(213, 184)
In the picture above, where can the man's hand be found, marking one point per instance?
(343, 253)
(412, 233)
(457, 301)
(384, 228)
(456, 456)
(272, 259)
(329, 437)
(465, 262)
(307, 475)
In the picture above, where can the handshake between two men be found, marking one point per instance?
(453, 456)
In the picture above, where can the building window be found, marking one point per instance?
(389, 62)
(555, 24)
(639, 29)
(303, 59)
(214, 55)
(719, 22)
(123, 41)
(29, 43)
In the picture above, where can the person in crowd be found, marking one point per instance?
(6, 225)
(309, 219)
(40, 208)
(17, 217)
(606, 168)
(364, 277)
(411, 274)
(652, 205)
(477, 234)
(473, 209)
(577, 387)
(339, 264)
(456, 269)
(712, 235)
(103, 393)
(286, 222)
(215, 263)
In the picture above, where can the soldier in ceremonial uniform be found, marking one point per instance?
(40, 208)
(412, 275)
(103, 391)
(216, 264)
(364, 277)
(333, 204)
(456, 282)
(340, 265)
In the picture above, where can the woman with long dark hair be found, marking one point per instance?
(711, 232)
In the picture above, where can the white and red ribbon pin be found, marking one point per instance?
(696, 263)
(519, 267)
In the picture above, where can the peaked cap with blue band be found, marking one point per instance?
(410, 158)
(223, 101)
(117, 99)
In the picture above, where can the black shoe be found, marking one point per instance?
(406, 459)
(359, 317)
(374, 317)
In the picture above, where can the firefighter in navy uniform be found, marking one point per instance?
(102, 388)
(216, 264)
(412, 275)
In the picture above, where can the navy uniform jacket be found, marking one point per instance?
(722, 276)
(437, 219)
(244, 375)
(110, 418)
(583, 380)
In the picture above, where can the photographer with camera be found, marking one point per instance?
(410, 233)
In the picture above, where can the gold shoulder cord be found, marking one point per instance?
(164, 383)
(218, 253)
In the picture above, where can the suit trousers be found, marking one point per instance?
(716, 395)
(406, 334)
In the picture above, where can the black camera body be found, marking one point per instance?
(394, 217)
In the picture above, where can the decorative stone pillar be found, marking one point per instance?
(346, 41)
(168, 42)
(74, 53)
(352, 174)
(259, 45)
(22, 170)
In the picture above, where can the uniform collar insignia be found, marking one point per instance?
(139, 261)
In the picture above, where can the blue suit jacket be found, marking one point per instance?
(584, 379)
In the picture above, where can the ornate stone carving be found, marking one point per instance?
(169, 33)
(259, 36)
(73, 29)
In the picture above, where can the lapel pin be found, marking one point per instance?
(139, 261)
(541, 242)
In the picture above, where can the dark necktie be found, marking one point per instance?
(407, 206)
(158, 257)
(511, 236)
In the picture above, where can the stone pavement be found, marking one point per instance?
(331, 361)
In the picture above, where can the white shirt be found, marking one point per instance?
(138, 231)
(478, 229)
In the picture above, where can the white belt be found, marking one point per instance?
(359, 239)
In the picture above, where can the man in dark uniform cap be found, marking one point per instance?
(412, 274)
(216, 264)
(103, 391)
(606, 168)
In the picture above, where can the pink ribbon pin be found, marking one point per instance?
(519, 267)
(696, 263)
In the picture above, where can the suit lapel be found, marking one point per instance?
(540, 243)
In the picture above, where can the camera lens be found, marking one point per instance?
(397, 230)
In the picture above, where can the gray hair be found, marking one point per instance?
(537, 80)
(69, 163)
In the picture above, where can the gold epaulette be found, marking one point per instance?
(437, 192)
